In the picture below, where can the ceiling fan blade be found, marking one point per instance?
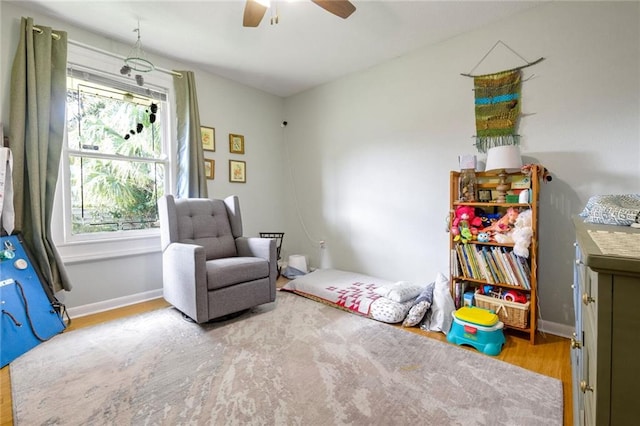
(253, 13)
(341, 8)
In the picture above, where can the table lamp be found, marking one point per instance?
(505, 159)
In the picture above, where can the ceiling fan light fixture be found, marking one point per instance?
(254, 10)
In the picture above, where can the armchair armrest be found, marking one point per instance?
(185, 279)
(259, 247)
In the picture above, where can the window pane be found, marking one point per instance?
(115, 153)
(112, 121)
(114, 195)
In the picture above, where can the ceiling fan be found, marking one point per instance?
(254, 10)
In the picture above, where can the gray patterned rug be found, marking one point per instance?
(291, 362)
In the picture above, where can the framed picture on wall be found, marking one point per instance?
(236, 144)
(209, 168)
(237, 171)
(208, 135)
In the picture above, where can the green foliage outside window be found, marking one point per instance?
(115, 148)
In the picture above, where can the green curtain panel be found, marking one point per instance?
(37, 122)
(191, 180)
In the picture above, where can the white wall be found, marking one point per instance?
(366, 159)
(371, 153)
(225, 105)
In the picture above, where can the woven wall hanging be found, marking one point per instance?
(497, 99)
(497, 104)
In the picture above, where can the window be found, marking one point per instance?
(115, 164)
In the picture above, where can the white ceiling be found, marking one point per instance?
(307, 48)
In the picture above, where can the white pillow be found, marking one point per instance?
(416, 313)
(400, 292)
(383, 309)
(439, 318)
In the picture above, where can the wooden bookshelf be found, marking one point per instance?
(474, 263)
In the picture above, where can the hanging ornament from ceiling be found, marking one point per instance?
(136, 61)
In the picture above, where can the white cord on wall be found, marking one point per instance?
(319, 243)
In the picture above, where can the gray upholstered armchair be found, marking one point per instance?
(208, 268)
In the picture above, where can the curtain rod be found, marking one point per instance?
(114, 55)
(104, 52)
(53, 35)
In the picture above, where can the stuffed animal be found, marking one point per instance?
(514, 296)
(504, 224)
(483, 237)
(465, 224)
(488, 219)
(545, 175)
(522, 233)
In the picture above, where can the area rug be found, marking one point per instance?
(291, 362)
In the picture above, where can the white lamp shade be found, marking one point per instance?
(505, 157)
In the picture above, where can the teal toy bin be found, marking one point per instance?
(479, 328)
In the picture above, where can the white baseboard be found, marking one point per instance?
(555, 328)
(94, 308)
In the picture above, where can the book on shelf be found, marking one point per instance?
(495, 265)
(484, 266)
(492, 266)
(475, 272)
(464, 266)
(507, 266)
(523, 264)
(517, 270)
(502, 277)
(460, 288)
(455, 265)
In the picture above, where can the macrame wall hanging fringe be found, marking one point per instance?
(497, 104)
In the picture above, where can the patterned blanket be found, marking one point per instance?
(351, 292)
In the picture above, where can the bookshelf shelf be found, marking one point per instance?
(475, 264)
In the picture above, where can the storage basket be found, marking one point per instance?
(511, 313)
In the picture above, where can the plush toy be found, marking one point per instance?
(483, 237)
(488, 219)
(545, 175)
(514, 296)
(504, 224)
(465, 224)
(522, 233)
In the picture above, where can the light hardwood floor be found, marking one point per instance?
(549, 356)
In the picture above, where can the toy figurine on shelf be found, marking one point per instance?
(502, 225)
(465, 224)
(545, 175)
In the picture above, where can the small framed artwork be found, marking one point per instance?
(484, 195)
(237, 171)
(236, 144)
(208, 135)
(209, 168)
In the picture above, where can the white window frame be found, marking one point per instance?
(86, 247)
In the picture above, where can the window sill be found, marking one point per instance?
(88, 251)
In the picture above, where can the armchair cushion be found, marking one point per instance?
(205, 223)
(233, 270)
